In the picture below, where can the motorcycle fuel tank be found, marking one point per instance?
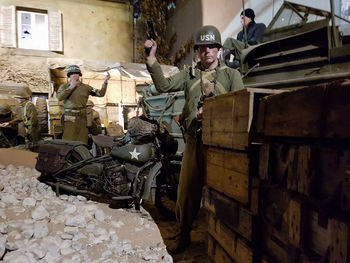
(138, 153)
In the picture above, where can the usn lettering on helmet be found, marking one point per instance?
(208, 37)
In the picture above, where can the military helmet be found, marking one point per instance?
(73, 69)
(207, 35)
(90, 103)
(22, 94)
(4, 109)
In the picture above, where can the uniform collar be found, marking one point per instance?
(199, 66)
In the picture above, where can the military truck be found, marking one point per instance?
(301, 46)
(166, 107)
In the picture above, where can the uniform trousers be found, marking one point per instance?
(75, 128)
(192, 178)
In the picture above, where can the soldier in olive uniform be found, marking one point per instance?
(207, 78)
(27, 118)
(93, 119)
(75, 96)
(8, 131)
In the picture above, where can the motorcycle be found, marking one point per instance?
(143, 168)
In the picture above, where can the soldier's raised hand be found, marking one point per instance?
(151, 45)
(73, 83)
(108, 76)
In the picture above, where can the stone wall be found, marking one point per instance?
(92, 29)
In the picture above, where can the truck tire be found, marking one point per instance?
(41, 107)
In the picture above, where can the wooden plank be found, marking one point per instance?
(237, 141)
(310, 258)
(317, 170)
(230, 212)
(227, 119)
(339, 246)
(254, 196)
(230, 242)
(319, 235)
(216, 253)
(282, 113)
(273, 247)
(227, 173)
(337, 111)
(295, 223)
(345, 192)
(304, 177)
(324, 110)
(232, 160)
(264, 154)
(274, 212)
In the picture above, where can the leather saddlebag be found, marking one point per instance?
(53, 156)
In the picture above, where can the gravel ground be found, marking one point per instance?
(38, 226)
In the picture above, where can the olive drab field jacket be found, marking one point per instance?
(78, 97)
(223, 79)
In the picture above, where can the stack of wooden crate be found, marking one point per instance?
(304, 174)
(278, 175)
(230, 196)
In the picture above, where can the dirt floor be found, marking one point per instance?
(197, 251)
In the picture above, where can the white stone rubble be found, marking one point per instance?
(38, 226)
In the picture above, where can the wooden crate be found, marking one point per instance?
(227, 119)
(318, 171)
(291, 228)
(234, 246)
(284, 224)
(216, 253)
(329, 236)
(314, 112)
(231, 213)
(230, 172)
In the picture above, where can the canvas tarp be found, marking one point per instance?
(136, 71)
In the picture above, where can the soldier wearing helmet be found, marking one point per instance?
(93, 119)
(249, 35)
(27, 117)
(207, 78)
(75, 95)
(8, 129)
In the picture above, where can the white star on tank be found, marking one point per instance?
(134, 154)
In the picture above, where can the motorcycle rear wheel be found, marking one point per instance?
(79, 153)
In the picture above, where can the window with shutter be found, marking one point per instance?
(8, 26)
(55, 31)
(33, 28)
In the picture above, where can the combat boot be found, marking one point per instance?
(180, 242)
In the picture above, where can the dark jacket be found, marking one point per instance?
(254, 33)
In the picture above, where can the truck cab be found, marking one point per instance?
(301, 46)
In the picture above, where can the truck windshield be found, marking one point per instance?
(293, 14)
